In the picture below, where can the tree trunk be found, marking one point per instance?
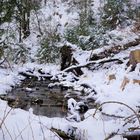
(68, 60)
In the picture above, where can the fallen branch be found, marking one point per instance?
(5, 59)
(117, 102)
(2, 61)
(61, 133)
(113, 116)
(31, 75)
(111, 135)
(91, 63)
(5, 116)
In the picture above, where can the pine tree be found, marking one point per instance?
(114, 13)
(7, 9)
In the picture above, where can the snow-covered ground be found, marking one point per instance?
(19, 124)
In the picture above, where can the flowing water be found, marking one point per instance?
(50, 102)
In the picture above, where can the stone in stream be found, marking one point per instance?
(76, 110)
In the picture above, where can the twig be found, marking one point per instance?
(129, 117)
(31, 129)
(117, 102)
(3, 134)
(103, 126)
(9, 64)
(19, 132)
(8, 131)
(51, 131)
(111, 135)
(41, 128)
(5, 116)
(112, 115)
(38, 21)
(2, 61)
(129, 120)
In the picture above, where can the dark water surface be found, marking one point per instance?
(37, 95)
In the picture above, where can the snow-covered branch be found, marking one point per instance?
(91, 63)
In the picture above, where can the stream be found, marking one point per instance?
(45, 101)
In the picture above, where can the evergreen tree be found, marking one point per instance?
(19, 10)
(7, 8)
(114, 13)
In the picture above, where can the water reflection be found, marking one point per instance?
(36, 95)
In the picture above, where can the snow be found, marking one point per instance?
(75, 109)
(120, 37)
(93, 127)
(24, 125)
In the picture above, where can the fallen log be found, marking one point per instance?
(114, 50)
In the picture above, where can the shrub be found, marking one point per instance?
(49, 51)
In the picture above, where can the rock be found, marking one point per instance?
(74, 117)
(28, 89)
(71, 105)
(41, 71)
(136, 27)
(85, 85)
(81, 107)
(37, 101)
(76, 110)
